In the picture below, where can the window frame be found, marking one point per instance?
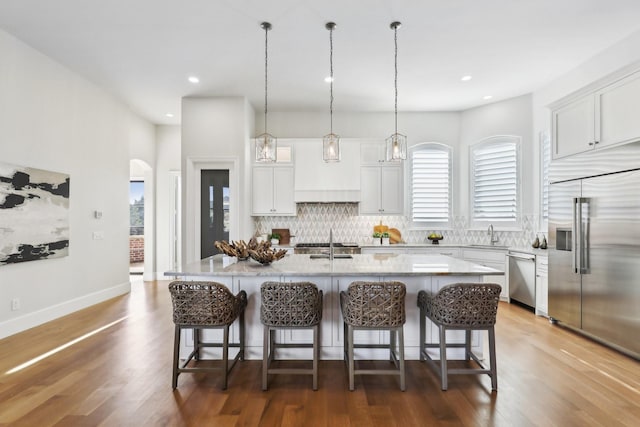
(516, 223)
(429, 225)
(545, 139)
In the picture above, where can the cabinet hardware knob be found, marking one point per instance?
(596, 142)
(591, 143)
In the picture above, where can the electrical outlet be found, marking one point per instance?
(15, 304)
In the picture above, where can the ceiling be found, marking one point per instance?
(142, 51)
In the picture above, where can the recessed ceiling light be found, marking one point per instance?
(193, 79)
(487, 97)
(328, 79)
(465, 78)
(169, 115)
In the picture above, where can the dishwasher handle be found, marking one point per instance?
(522, 257)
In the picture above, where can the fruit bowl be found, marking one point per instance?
(435, 238)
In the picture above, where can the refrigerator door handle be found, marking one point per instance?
(585, 205)
(576, 232)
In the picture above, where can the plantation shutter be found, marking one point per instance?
(546, 160)
(495, 182)
(431, 184)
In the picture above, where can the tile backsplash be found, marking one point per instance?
(314, 220)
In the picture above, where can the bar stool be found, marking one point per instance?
(375, 305)
(461, 306)
(206, 305)
(295, 305)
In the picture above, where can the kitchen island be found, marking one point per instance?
(418, 272)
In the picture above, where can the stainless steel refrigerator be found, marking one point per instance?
(594, 252)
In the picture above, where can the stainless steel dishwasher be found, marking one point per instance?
(522, 278)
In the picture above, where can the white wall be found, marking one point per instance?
(167, 167)
(510, 117)
(214, 136)
(50, 118)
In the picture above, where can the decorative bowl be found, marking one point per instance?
(435, 240)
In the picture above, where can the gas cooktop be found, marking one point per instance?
(326, 245)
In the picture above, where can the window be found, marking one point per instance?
(545, 161)
(431, 184)
(136, 208)
(495, 181)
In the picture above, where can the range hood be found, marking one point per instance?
(327, 196)
(320, 182)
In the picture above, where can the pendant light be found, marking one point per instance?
(265, 143)
(396, 144)
(331, 142)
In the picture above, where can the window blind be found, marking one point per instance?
(431, 184)
(545, 162)
(495, 181)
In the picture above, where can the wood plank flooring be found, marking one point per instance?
(121, 376)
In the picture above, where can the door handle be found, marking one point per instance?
(575, 233)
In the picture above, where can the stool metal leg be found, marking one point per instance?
(423, 334)
(443, 357)
(467, 345)
(492, 362)
(265, 357)
(350, 357)
(403, 386)
(225, 357)
(316, 347)
(176, 357)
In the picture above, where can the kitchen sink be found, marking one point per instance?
(326, 256)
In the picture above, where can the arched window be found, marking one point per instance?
(495, 182)
(430, 174)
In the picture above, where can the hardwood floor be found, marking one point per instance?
(121, 376)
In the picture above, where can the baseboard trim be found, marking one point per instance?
(30, 320)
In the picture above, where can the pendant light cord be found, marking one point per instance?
(266, 57)
(331, 78)
(395, 82)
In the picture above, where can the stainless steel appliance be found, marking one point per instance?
(522, 278)
(594, 250)
(323, 248)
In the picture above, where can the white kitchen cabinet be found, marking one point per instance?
(617, 107)
(381, 190)
(604, 116)
(542, 285)
(272, 191)
(574, 127)
(381, 182)
(435, 250)
(490, 258)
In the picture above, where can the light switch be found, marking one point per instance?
(98, 235)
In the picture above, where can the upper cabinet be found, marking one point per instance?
(617, 107)
(272, 191)
(381, 182)
(602, 117)
(272, 185)
(573, 127)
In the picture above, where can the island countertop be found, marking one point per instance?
(359, 265)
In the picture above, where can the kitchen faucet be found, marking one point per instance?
(331, 244)
(493, 237)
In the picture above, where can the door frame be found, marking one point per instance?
(191, 196)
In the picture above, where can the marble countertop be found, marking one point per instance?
(359, 265)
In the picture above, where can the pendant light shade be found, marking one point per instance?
(266, 144)
(331, 142)
(396, 144)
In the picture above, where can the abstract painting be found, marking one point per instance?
(34, 214)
